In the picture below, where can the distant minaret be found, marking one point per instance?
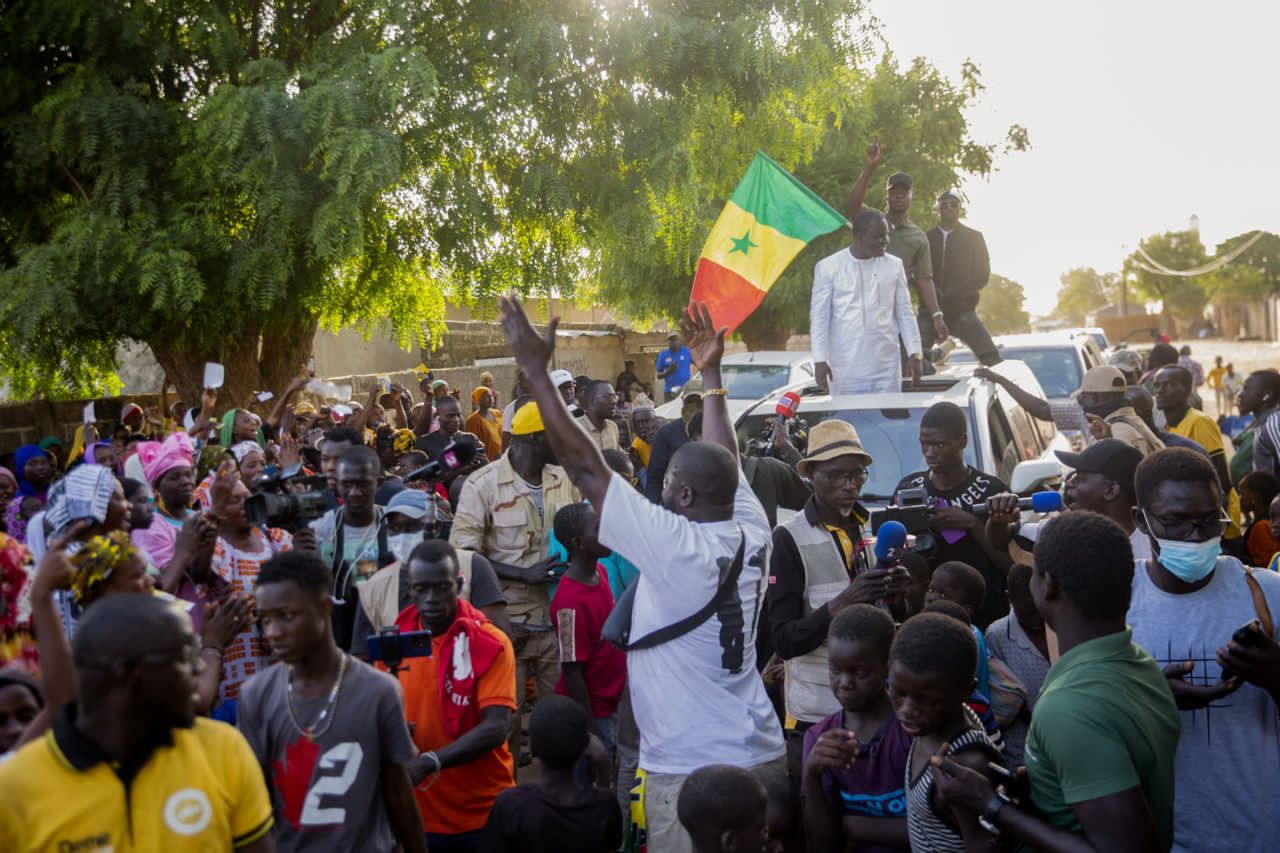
(1193, 224)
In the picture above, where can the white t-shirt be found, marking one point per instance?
(1228, 762)
(698, 699)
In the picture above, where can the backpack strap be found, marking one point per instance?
(684, 626)
(1260, 606)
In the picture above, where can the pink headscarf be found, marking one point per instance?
(160, 457)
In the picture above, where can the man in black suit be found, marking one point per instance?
(961, 267)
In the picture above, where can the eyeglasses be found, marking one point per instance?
(851, 478)
(1181, 529)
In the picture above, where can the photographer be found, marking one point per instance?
(459, 721)
(352, 539)
(953, 490)
(386, 594)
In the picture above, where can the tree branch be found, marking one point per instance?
(72, 178)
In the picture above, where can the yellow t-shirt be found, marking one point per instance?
(205, 792)
(1214, 377)
(1204, 430)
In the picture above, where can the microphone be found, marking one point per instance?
(788, 404)
(452, 458)
(1040, 502)
(890, 539)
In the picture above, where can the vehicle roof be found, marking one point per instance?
(1038, 339)
(767, 357)
(953, 383)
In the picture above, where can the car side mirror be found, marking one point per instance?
(1035, 475)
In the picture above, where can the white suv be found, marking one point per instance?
(748, 376)
(1003, 439)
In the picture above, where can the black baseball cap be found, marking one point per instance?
(899, 179)
(1111, 457)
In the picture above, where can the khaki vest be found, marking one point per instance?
(808, 687)
(380, 594)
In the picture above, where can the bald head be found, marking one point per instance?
(701, 482)
(119, 627)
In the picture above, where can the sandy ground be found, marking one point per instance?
(1247, 357)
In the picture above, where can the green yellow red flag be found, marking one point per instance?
(768, 220)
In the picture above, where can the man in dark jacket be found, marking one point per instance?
(961, 268)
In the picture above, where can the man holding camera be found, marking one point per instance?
(460, 719)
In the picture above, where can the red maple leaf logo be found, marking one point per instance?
(292, 777)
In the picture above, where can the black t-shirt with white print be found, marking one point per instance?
(976, 489)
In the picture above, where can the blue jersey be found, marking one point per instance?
(683, 361)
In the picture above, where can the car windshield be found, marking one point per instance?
(753, 381)
(891, 436)
(1057, 368)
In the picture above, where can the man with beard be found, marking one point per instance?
(598, 406)
(129, 766)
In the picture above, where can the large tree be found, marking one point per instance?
(1082, 290)
(918, 115)
(1000, 306)
(1183, 297)
(218, 179)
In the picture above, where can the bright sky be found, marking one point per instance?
(1140, 115)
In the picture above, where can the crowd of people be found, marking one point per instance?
(564, 625)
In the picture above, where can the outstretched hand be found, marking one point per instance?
(531, 350)
(875, 154)
(705, 342)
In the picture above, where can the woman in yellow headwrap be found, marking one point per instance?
(485, 422)
(106, 565)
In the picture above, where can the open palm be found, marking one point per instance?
(705, 343)
(531, 350)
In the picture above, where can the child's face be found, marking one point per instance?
(925, 702)
(752, 838)
(943, 586)
(142, 513)
(857, 673)
(29, 507)
(131, 577)
(1274, 515)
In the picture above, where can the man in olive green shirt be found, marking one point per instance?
(906, 242)
(1100, 750)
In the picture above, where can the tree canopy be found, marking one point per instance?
(1082, 290)
(1000, 307)
(218, 180)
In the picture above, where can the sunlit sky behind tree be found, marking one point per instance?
(1140, 114)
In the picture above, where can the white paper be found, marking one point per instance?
(214, 375)
(264, 396)
(89, 416)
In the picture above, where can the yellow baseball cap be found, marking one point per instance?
(527, 421)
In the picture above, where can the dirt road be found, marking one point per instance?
(1246, 357)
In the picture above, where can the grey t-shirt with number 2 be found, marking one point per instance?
(326, 794)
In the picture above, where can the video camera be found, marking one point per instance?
(913, 514)
(797, 435)
(285, 502)
(392, 647)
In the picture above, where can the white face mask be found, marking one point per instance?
(402, 544)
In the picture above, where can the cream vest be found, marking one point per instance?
(808, 687)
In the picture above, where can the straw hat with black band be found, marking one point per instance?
(831, 440)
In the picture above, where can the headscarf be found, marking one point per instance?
(403, 441)
(134, 471)
(242, 449)
(25, 454)
(161, 457)
(95, 563)
(85, 493)
(49, 441)
(91, 452)
(228, 429)
(211, 456)
(6, 474)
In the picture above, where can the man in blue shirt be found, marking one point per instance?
(674, 366)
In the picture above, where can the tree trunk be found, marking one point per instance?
(255, 360)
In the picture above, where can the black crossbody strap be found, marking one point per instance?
(679, 629)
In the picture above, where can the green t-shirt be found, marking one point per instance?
(1104, 723)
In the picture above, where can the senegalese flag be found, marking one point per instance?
(768, 220)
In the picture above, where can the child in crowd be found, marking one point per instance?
(855, 759)
(931, 666)
(1018, 642)
(724, 809)
(142, 509)
(964, 585)
(593, 672)
(1258, 489)
(556, 813)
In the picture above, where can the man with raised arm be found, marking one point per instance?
(697, 697)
